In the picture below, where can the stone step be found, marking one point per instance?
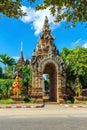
(50, 103)
(19, 102)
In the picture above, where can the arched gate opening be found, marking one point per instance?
(51, 70)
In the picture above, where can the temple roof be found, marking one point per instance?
(46, 44)
(21, 60)
(46, 31)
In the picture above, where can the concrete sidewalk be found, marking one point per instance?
(74, 105)
(41, 105)
(48, 110)
(21, 105)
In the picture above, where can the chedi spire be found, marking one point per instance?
(21, 58)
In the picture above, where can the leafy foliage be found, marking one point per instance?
(11, 8)
(5, 85)
(69, 10)
(26, 79)
(6, 101)
(0, 72)
(76, 62)
(46, 82)
(7, 60)
(9, 63)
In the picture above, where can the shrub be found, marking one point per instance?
(5, 85)
(6, 101)
(69, 102)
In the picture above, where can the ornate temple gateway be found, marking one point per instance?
(46, 60)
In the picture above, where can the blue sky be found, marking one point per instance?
(28, 29)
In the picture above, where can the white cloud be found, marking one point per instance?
(77, 41)
(16, 57)
(37, 18)
(85, 45)
(80, 42)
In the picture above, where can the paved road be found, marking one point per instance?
(51, 110)
(47, 118)
(43, 123)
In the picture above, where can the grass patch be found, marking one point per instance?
(81, 102)
(69, 102)
(30, 102)
(6, 101)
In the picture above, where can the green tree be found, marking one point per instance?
(0, 72)
(9, 63)
(76, 62)
(11, 8)
(5, 85)
(7, 60)
(27, 77)
(46, 82)
(69, 10)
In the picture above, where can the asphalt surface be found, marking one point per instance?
(43, 123)
(50, 117)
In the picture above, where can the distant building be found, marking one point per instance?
(21, 60)
(20, 63)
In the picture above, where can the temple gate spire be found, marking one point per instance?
(46, 41)
(46, 60)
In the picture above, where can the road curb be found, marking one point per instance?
(21, 106)
(73, 106)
